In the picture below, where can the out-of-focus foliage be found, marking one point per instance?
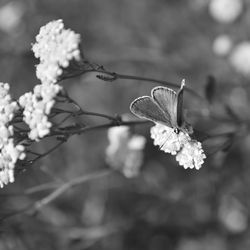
(165, 207)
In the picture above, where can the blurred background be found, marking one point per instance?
(165, 207)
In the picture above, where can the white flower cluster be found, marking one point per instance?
(167, 139)
(9, 152)
(124, 152)
(240, 58)
(225, 11)
(189, 153)
(55, 47)
(37, 106)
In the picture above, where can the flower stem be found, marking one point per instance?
(116, 76)
(112, 76)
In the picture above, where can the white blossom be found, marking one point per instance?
(55, 47)
(166, 138)
(125, 152)
(225, 11)
(222, 45)
(7, 106)
(191, 155)
(37, 106)
(10, 152)
(240, 58)
(9, 155)
(189, 152)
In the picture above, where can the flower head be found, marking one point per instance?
(56, 47)
(166, 138)
(10, 152)
(37, 106)
(7, 106)
(9, 155)
(124, 152)
(191, 155)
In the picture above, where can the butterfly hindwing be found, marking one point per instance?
(146, 107)
(167, 99)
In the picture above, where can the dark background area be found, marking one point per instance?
(165, 207)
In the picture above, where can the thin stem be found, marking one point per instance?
(42, 187)
(58, 192)
(48, 152)
(83, 112)
(114, 76)
(63, 188)
(146, 79)
(76, 130)
(111, 118)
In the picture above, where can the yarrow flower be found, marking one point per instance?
(240, 58)
(225, 11)
(56, 47)
(10, 153)
(189, 152)
(166, 138)
(124, 152)
(37, 106)
(191, 155)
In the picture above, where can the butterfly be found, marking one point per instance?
(164, 106)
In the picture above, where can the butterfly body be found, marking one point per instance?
(164, 106)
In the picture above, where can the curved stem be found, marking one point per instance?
(146, 79)
(114, 76)
(64, 187)
(83, 112)
(59, 190)
(76, 130)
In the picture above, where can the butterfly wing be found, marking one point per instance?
(167, 99)
(180, 104)
(146, 107)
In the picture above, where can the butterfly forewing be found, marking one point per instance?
(167, 99)
(146, 107)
